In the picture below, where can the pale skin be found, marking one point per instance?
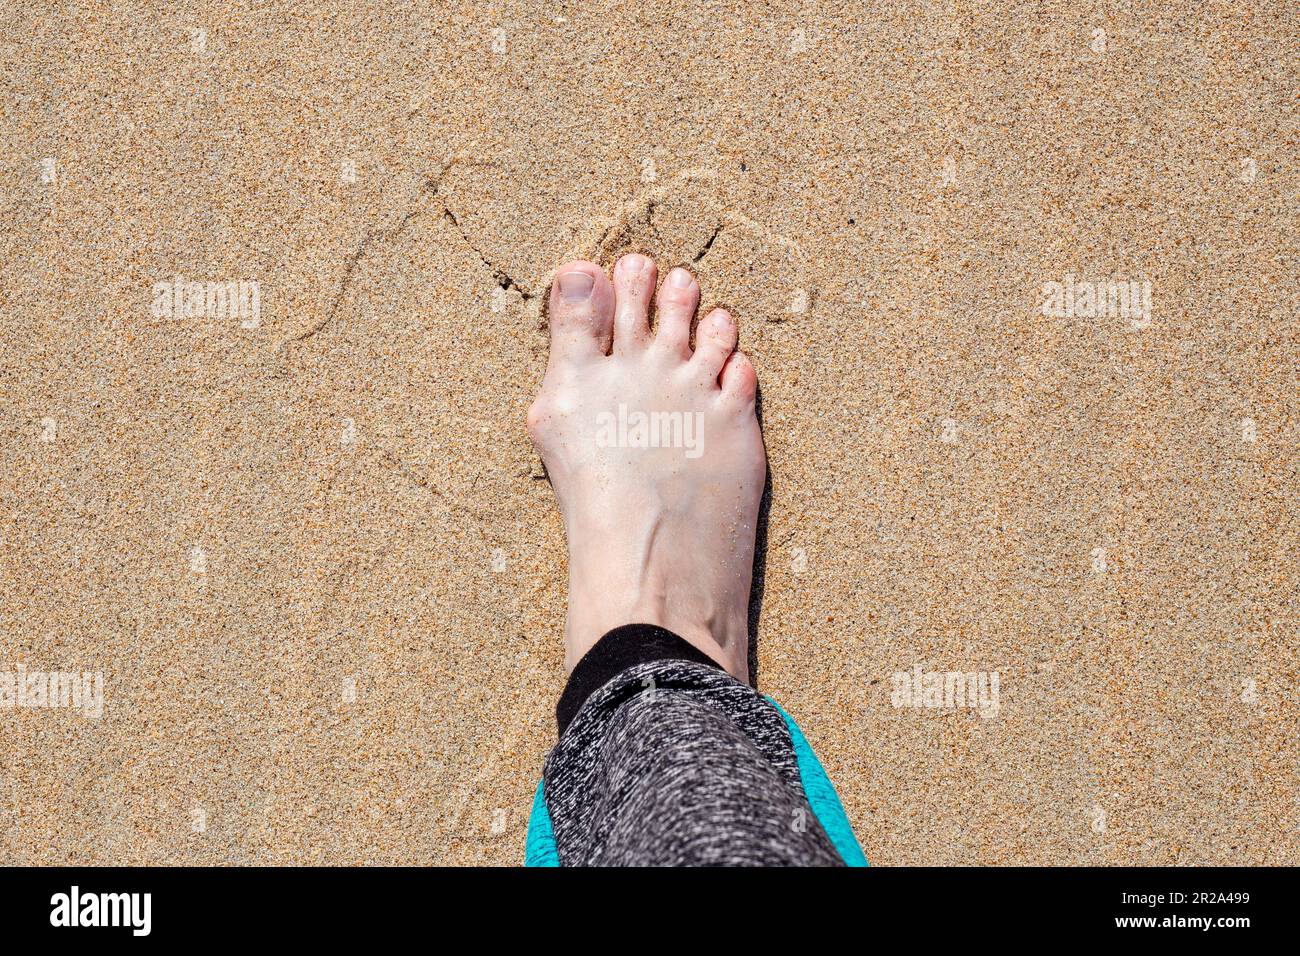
(655, 536)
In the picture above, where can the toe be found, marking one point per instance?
(634, 281)
(715, 339)
(677, 301)
(739, 380)
(581, 312)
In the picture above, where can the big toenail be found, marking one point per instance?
(680, 278)
(576, 286)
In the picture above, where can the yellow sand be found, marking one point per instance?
(359, 662)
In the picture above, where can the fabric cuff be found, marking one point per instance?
(621, 648)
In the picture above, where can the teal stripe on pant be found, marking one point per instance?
(823, 799)
(539, 850)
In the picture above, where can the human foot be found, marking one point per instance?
(656, 458)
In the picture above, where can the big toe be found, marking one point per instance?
(581, 312)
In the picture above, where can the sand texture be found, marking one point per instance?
(314, 557)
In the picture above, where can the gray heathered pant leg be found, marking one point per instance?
(674, 763)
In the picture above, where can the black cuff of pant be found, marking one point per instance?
(614, 653)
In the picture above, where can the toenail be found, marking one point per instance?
(680, 278)
(576, 286)
(634, 263)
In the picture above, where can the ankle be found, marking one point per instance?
(725, 642)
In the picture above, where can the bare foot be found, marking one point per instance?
(656, 458)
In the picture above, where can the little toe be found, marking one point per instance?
(738, 379)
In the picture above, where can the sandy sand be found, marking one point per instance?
(311, 551)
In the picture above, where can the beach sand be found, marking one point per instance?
(318, 565)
